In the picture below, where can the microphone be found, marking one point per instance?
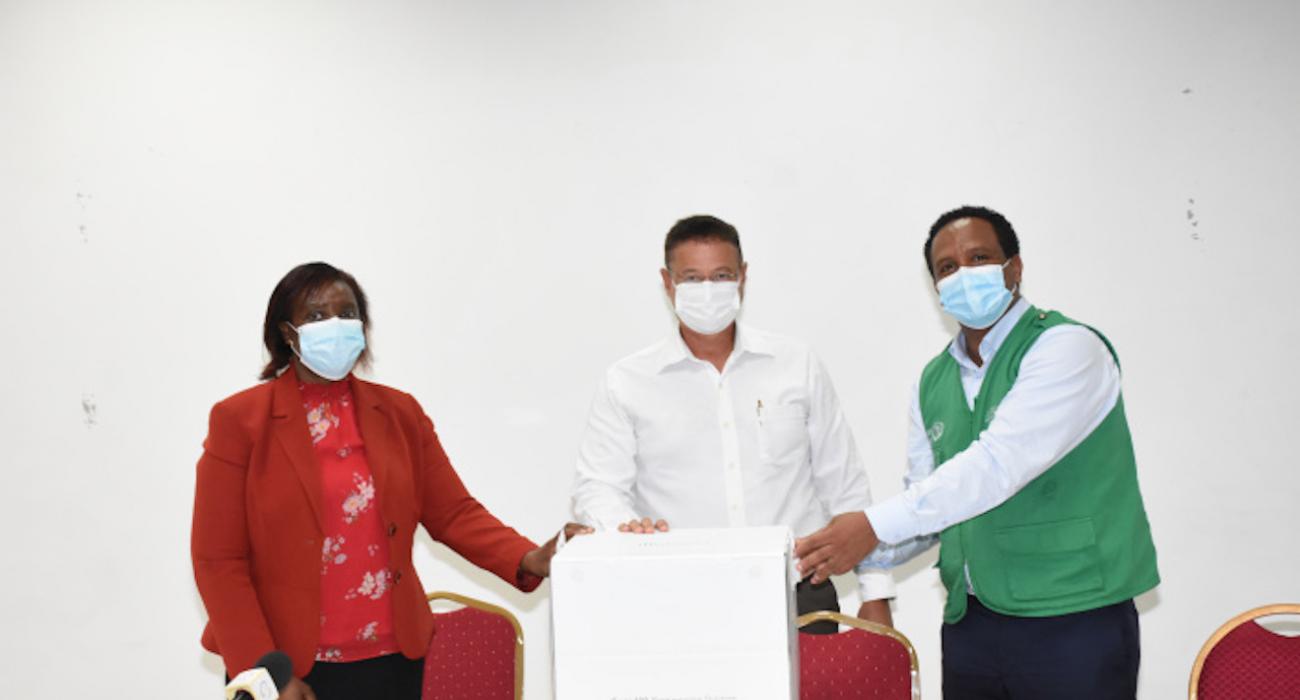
(264, 681)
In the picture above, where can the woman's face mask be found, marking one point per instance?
(330, 348)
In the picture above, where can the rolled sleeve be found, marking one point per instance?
(875, 584)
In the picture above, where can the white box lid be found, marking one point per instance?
(680, 544)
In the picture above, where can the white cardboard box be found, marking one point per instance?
(682, 615)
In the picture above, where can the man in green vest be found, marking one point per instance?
(1021, 467)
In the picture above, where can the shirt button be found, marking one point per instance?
(732, 466)
(726, 424)
(397, 577)
(392, 529)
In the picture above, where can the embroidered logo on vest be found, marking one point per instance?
(935, 432)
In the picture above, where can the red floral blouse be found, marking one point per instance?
(355, 580)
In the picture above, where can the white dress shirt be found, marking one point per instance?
(1068, 383)
(763, 442)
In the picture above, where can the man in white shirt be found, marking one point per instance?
(722, 425)
(1022, 468)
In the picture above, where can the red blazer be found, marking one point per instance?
(256, 539)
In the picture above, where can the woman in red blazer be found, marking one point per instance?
(308, 493)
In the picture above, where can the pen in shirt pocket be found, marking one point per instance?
(758, 410)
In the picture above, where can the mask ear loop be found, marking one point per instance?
(1016, 289)
(298, 338)
(294, 345)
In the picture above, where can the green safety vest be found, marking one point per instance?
(1075, 538)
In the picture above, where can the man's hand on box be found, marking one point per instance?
(836, 548)
(876, 611)
(644, 526)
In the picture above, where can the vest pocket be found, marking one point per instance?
(1050, 560)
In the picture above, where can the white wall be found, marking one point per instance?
(499, 175)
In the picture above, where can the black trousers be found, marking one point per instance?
(392, 677)
(1092, 654)
(809, 598)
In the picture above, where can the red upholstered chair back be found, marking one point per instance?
(1244, 661)
(865, 661)
(477, 653)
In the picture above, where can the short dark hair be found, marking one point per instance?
(1006, 235)
(293, 287)
(701, 227)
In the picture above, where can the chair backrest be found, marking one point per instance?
(1243, 660)
(477, 652)
(865, 661)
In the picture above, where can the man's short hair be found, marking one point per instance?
(1006, 235)
(701, 227)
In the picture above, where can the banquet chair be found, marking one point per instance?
(477, 652)
(866, 660)
(1243, 660)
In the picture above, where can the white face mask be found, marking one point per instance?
(707, 307)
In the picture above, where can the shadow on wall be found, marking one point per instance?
(1148, 601)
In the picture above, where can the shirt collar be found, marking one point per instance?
(992, 340)
(748, 342)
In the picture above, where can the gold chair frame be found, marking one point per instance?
(873, 628)
(1224, 629)
(495, 610)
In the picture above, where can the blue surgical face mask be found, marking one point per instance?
(331, 347)
(975, 296)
